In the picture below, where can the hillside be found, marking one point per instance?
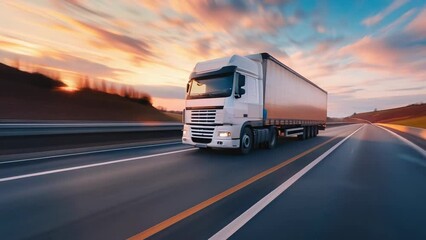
(32, 96)
(412, 115)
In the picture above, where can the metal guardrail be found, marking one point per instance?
(8, 129)
(31, 129)
(336, 124)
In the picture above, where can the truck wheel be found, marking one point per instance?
(272, 142)
(308, 132)
(246, 141)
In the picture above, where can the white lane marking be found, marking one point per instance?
(406, 141)
(240, 221)
(88, 152)
(91, 165)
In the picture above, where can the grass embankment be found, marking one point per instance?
(31, 96)
(419, 122)
(413, 116)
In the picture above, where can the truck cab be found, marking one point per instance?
(222, 95)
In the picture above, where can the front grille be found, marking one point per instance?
(202, 132)
(201, 140)
(203, 116)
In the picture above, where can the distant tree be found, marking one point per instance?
(145, 100)
(84, 82)
(375, 109)
(102, 87)
(125, 92)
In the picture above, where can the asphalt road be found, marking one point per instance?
(371, 186)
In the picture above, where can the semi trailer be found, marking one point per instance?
(246, 102)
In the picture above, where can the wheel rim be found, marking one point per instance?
(246, 141)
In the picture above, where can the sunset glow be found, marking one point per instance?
(68, 89)
(366, 54)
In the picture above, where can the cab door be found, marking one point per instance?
(248, 106)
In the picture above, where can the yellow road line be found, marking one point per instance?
(182, 215)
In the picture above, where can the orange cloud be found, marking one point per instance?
(16, 49)
(381, 55)
(136, 47)
(19, 46)
(139, 50)
(372, 51)
(190, 21)
(77, 5)
(228, 16)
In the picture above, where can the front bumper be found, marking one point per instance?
(215, 141)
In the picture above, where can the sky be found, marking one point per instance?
(366, 54)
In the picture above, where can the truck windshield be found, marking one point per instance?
(211, 87)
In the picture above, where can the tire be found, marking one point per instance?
(246, 141)
(308, 132)
(273, 138)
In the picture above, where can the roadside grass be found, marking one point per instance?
(419, 122)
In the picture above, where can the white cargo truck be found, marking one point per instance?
(245, 102)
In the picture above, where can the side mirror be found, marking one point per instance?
(241, 82)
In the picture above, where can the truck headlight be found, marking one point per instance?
(224, 134)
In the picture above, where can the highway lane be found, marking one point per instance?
(371, 187)
(421, 142)
(119, 200)
(39, 143)
(30, 165)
